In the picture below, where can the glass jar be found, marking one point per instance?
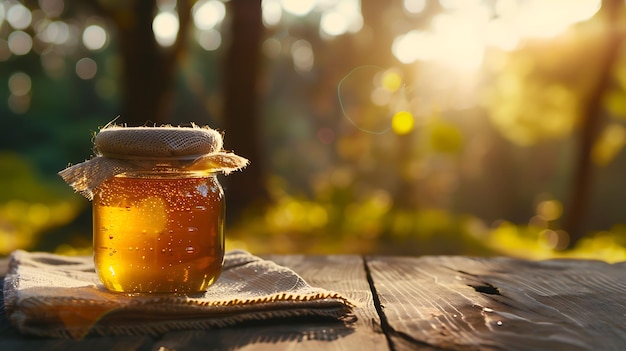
(159, 231)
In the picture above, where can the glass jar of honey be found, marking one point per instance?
(158, 207)
(159, 232)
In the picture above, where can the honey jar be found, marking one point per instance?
(159, 232)
(158, 209)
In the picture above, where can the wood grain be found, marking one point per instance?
(346, 275)
(343, 274)
(460, 303)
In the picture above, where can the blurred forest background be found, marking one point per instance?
(477, 127)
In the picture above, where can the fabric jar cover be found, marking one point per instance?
(121, 149)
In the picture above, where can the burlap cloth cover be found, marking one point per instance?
(120, 149)
(60, 296)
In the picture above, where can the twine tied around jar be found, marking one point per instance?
(120, 149)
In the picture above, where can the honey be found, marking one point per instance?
(159, 232)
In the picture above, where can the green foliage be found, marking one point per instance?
(527, 108)
(372, 225)
(541, 90)
(531, 242)
(340, 219)
(20, 182)
(29, 205)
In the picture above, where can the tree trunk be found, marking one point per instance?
(241, 106)
(592, 121)
(148, 70)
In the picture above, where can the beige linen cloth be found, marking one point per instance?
(60, 296)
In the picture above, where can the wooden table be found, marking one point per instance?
(418, 303)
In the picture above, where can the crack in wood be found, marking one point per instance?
(384, 324)
(387, 329)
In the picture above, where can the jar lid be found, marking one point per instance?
(161, 142)
(122, 149)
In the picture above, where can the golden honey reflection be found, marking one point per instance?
(160, 234)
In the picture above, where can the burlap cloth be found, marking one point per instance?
(120, 149)
(60, 296)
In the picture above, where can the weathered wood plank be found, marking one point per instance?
(344, 274)
(460, 303)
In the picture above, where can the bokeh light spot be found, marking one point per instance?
(298, 7)
(19, 84)
(209, 40)
(549, 210)
(554, 239)
(414, 6)
(207, 14)
(94, 37)
(412, 46)
(402, 122)
(391, 81)
(20, 43)
(165, 26)
(302, 54)
(334, 23)
(55, 32)
(52, 8)
(272, 12)
(19, 16)
(86, 68)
